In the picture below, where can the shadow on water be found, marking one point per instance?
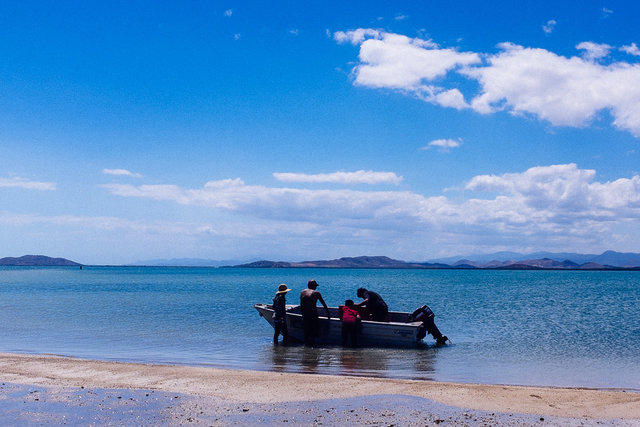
(405, 363)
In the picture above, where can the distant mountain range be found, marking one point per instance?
(185, 262)
(499, 260)
(611, 258)
(37, 260)
(502, 260)
(347, 262)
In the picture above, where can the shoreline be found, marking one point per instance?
(263, 389)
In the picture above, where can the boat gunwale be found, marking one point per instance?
(269, 307)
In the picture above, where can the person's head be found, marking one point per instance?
(360, 292)
(312, 284)
(282, 289)
(349, 303)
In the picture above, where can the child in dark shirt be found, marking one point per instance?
(350, 318)
(279, 313)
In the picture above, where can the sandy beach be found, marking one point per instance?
(48, 389)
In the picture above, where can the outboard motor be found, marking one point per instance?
(426, 316)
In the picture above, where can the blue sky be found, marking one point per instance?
(288, 131)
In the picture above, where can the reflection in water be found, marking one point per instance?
(410, 363)
(365, 361)
(311, 358)
(424, 363)
(279, 358)
(349, 361)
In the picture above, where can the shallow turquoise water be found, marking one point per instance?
(561, 328)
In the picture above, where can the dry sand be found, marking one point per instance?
(48, 389)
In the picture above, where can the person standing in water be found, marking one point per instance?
(350, 322)
(279, 315)
(308, 307)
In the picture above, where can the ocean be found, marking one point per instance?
(549, 328)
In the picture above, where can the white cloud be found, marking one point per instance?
(549, 26)
(17, 182)
(631, 49)
(594, 51)
(565, 189)
(519, 80)
(540, 186)
(228, 12)
(552, 87)
(408, 64)
(356, 37)
(452, 98)
(358, 177)
(443, 144)
(536, 81)
(283, 204)
(121, 172)
(560, 200)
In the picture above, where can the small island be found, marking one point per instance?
(37, 261)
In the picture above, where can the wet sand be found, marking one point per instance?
(51, 390)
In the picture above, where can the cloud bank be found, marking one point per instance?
(565, 91)
(560, 203)
(559, 207)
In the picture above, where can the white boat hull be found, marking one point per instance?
(370, 334)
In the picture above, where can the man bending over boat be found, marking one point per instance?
(308, 307)
(374, 303)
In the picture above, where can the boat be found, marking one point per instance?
(399, 331)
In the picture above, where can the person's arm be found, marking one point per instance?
(324, 304)
(363, 302)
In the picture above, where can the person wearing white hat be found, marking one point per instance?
(279, 315)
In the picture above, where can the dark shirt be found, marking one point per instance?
(308, 302)
(279, 306)
(375, 301)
